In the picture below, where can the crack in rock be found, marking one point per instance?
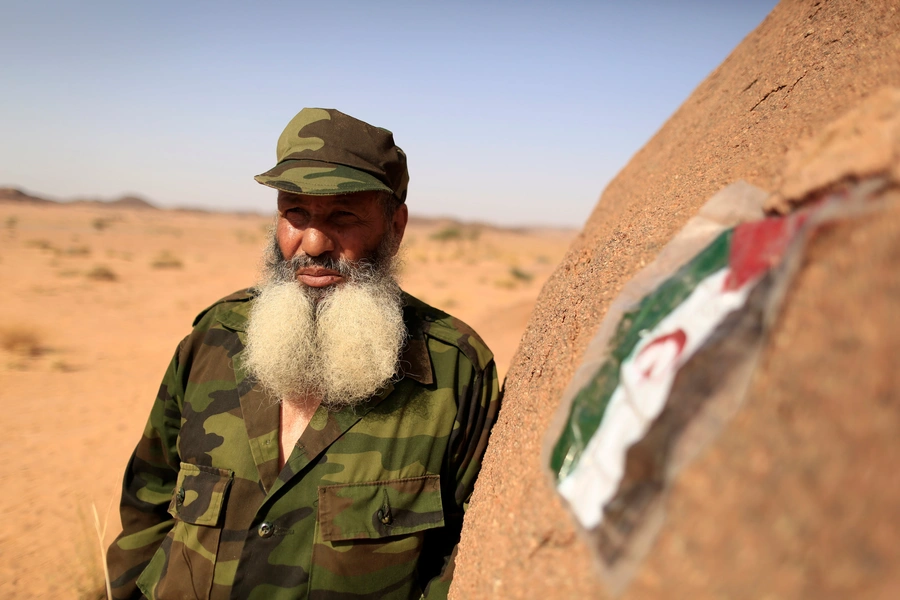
(793, 85)
(775, 90)
(763, 99)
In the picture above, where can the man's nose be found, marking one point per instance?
(316, 242)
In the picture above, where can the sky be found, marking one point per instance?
(511, 112)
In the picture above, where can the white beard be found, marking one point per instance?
(341, 349)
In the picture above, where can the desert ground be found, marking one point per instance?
(96, 298)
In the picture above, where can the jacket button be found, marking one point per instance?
(265, 529)
(181, 494)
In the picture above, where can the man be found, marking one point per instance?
(317, 436)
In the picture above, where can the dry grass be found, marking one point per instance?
(101, 536)
(92, 580)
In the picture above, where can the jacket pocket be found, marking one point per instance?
(185, 562)
(354, 511)
(369, 535)
(200, 494)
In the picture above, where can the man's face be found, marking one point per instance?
(328, 319)
(346, 226)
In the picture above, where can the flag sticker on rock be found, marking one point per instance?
(653, 343)
(674, 368)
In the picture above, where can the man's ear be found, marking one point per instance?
(398, 224)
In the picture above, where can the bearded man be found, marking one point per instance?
(319, 435)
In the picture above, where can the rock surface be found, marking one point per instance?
(865, 142)
(798, 497)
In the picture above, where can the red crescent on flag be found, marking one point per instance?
(659, 360)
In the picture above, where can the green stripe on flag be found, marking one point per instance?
(589, 404)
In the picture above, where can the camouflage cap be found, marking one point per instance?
(322, 151)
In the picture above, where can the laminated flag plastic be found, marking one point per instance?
(671, 362)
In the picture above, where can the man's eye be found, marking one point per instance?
(296, 215)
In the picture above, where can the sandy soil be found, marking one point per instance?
(95, 300)
(797, 498)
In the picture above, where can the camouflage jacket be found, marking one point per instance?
(368, 505)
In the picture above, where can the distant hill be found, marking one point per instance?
(14, 194)
(123, 202)
(451, 222)
(11, 194)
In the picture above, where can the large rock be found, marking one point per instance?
(798, 498)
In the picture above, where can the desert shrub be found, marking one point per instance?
(520, 275)
(41, 245)
(166, 260)
(456, 232)
(101, 223)
(78, 251)
(102, 273)
(451, 232)
(22, 340)
(63, 366)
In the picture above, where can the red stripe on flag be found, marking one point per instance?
(758, 246)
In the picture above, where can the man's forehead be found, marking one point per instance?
(339, 200)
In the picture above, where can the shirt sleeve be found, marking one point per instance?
(147, 488)
(478, 407)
